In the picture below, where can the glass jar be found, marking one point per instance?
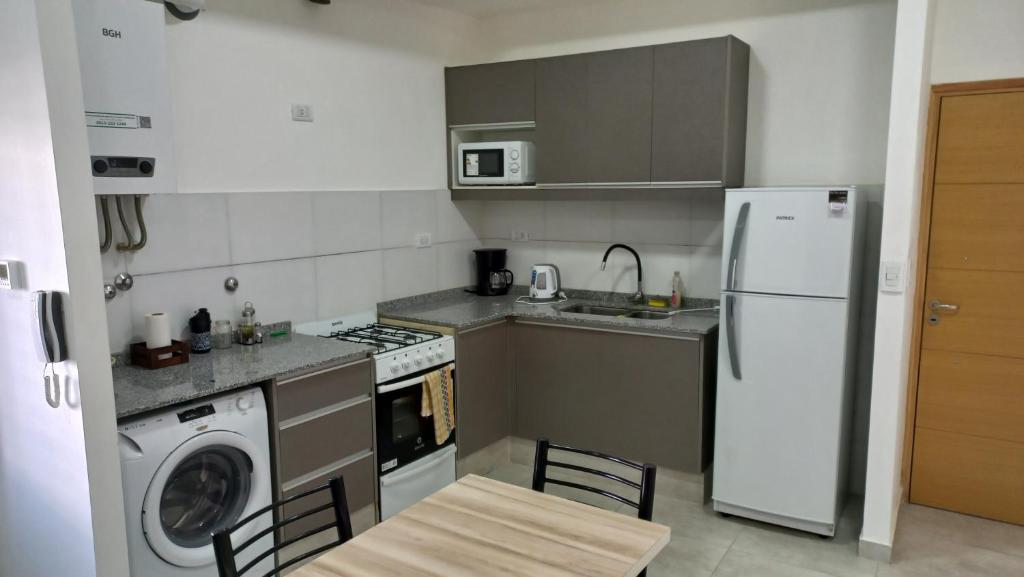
(247, 328)
(222, 337)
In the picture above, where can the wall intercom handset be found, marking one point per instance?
(50, 315)
(52, 340)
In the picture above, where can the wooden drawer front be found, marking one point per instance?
(358, 487)
(312, 445)
(312, 392)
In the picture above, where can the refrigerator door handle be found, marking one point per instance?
(737, 241)
(730, 336)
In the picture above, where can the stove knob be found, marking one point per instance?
(418, 360)
(431, 356)
(395, 367)
(405, 364)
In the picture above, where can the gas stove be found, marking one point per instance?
(401, 351)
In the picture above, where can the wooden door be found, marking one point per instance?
(968, 451)
(619, 85)
(561, 134)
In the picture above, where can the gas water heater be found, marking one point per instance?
(122, 56)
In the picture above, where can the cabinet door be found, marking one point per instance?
(483, 393)
(619, 85)
(489, 93)
(689, 125)
(561, 135)
(634, 396)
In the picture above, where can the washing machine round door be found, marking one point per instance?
(207, 484)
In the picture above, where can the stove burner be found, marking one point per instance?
(386, 338)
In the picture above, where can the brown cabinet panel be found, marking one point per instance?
(309, 393)
(483, 388)
(689, 110)
(308, 446)
(619, 85)
(636, 396)
(562, 119)
(490, 93)
(977, 226)
(359, 488)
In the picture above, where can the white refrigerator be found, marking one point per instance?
(786, 355)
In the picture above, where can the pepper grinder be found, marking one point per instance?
(199, 326)
(247, 328)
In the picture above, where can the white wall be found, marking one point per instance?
(61, 511)
(331, 230)
(818, 106)
(977, 40)
(904, 168)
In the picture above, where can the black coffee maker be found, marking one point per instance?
(492, 278)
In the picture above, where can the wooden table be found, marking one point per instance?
(479, 527)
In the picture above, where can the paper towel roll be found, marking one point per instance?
(158, 331)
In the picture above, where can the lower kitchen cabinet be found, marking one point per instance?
(642, 397)
(322, 426)
(483, 387)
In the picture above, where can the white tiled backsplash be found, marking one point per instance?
(301, 256)
(298, 256)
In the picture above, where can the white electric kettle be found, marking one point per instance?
(545, 282)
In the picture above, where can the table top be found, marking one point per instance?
(479, 527)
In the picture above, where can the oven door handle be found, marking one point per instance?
(381, 389)
(428, 462)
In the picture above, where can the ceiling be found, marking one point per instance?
(490, 7)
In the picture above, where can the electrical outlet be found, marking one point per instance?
(302, 113)
(423, 240)
(520, 235)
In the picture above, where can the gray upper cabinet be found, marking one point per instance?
(619, 86)
(700, 111)
(490, 93)
(562, 119)
(671, 116)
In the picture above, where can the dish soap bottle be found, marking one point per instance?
(677, 290)
(247, 328)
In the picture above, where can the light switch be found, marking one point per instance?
(302, 113)
(892, 278)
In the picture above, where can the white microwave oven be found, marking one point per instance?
(496, 163)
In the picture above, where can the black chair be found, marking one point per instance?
(226, 553)
(644, 504)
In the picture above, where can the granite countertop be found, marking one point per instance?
(462, 310)
(138, 390)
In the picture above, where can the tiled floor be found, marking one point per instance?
(929, 543)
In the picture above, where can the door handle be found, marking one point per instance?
(737, 240)
(939, 306)
(730, 336)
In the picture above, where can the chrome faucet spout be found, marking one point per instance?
(638, 296)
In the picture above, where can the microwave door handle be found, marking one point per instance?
(427, 462)
(737, 241)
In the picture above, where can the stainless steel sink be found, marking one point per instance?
(581, 309)
(649, 315)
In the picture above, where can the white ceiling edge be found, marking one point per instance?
(483, 8)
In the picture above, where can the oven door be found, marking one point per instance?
(483, 165)
(402, 434)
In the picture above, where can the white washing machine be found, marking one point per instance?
(190, 471)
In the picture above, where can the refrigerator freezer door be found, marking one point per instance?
(789, 241)
(778, 426)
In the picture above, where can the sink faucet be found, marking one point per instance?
(638, 296)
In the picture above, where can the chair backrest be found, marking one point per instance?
(226, 552)
(644, 504)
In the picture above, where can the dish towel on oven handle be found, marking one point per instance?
(439, 401)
